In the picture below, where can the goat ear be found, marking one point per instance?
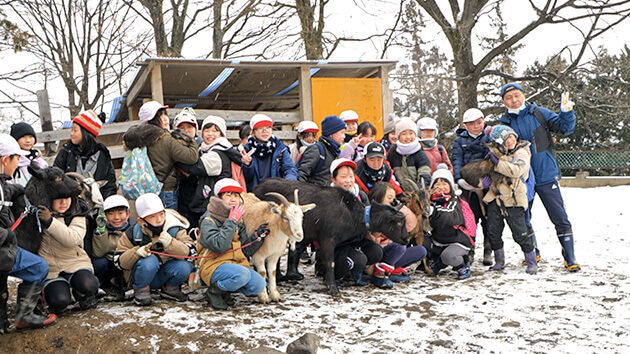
(35, 171)
(274, 208)
(307, 207)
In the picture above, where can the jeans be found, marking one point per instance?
(29, 267)
(236, 278)
(169, 198)
(148, 271)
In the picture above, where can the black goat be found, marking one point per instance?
(338, 217)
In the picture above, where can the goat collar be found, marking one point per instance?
(366, 216)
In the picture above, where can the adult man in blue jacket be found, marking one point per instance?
(522, 117)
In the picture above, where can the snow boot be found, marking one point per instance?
(499, 260)
(214, 295)
(566, 241)
(436, 265)
(142, 296)
(359, 278)
(532, 265)
(463, 271)
(380, 277)
(227, 297)
(5, 325)
(173, 293)
(487, 251)
(28, 298)
(86, 302)
(530, 233)
(117, 291)
(399, 275)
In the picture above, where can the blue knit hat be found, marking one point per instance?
(510, 86)
(500, 133)
(331, 125)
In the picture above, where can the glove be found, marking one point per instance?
(462, 183)
(487, 130)
(237, 213)
(440, 198)
(491, 155)
(262, 230)
(101, 222)
(166, 239)
(486, 182)
(45, 216)
(566, 105)
(143, 251)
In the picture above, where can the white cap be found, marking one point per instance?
(342, 162)
(472, 114)
(259, 121)
(114, 201)
(148, 110)
(349, 116)
(148, 204)
(187, 115)
(306, 126)
(218, 121)
(227, 185)
(10, 146)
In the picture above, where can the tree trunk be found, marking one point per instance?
(217, 30)
(157, 20)
(311, 33)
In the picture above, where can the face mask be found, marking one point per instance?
(304, 143)
(155, 230)
(428, 143)
(517, 110)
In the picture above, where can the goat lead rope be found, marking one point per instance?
(208, 256)
(23, 215)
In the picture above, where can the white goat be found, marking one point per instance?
(90, 189)
(285, 225)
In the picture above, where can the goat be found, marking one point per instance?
(285, 224)
(90, 189)
(419, 204)
(337, 217)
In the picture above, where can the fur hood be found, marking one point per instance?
(143, 135)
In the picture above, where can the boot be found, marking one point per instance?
(463, 271)
(117, 291)
(499, 260)
(86, 302)
(5, 326)
(399, 275)
(359, 279)
(227, 297)
(27, 299)
(173, 293)
(532, 235)
(566, 241)
(487, 251)
(214, 295)
(142, 296)
(436, 265)
(380, 277)
(532, 264)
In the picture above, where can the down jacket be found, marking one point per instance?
(163, 150)
(8, 242)
(515, 167)
(467, 148)
(310, 160)
(69, 157)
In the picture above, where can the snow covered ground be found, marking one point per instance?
(553, 311)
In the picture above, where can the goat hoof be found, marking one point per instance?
(294, 276)
(334, 290)
(263, 297)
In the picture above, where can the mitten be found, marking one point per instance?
(490, 155)
(487, 181)
(44, 215)
(166, 239)
(236, 213)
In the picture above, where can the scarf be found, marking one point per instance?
(517, 110)
(374, 175)
(220, 144)
(263, 149)
(218, 209)
(408, 149)
(333, 144)
(386, 144)
(121, 229)
(428, 144)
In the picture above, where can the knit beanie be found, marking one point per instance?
(331, 125)
(218, 121)
(21, 129)
(443, 173)
(90, 121)
(500, 133)
(405, 124)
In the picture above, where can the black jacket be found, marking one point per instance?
(310, 159)
(8, 242)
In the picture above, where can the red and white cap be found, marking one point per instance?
(148, 110)
(306, 126)
(90, 121)
(259, 121)
(227, 185)
(148, 204)
(342, 162)
(349, 116)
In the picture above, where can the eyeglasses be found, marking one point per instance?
(265, 129)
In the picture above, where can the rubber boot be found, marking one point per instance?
(5, 325)
(499, 260)
(532, 265)
(227, 297)
(380, 277)
(532, 234)
(359, 279)
(27, 299)
(566, 241)
(436, 265)
(399, 275)
(487, 251)
(214, 295)
(463, 271)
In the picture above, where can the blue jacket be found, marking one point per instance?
(281, 165)
(466, 149)
(528, 128)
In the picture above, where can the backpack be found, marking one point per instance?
(238, 176)
(137, 176)
(320, 163)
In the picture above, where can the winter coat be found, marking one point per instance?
(438, 155)
(21, 175)
(69, 156)
(415, 167)
(310, 160)
(163, 150)
(213, 165)
(8, 244)
(62, 242)
(296, 149)
(175, 224)
(448, 222)
(281, 165)
(366, 184)
(527, 126)
(515, 167)
(466, 149)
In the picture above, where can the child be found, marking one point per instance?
(398, 256)
(64, 226)
(453, 233)
(307, 136)
(243, 135)
(407, 158)
(428, 130)
(223, 236)
(351, 119)
(342, 175)
(158, 230)
(84, 155)
(354, 149)
(186, 121)
(14, 260)
(373, 169)
(26, 138)
(314, 164)
(110, 227)
(470, 145)
(269, 158)
(216, 156)
(511, 201)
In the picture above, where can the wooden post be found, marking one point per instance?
(157, 92)
(44, 115)
(306, 94)
(388, 100)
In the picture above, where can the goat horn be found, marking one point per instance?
(76, 176)
(280, 197)
(296, 199)
(415, 186)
